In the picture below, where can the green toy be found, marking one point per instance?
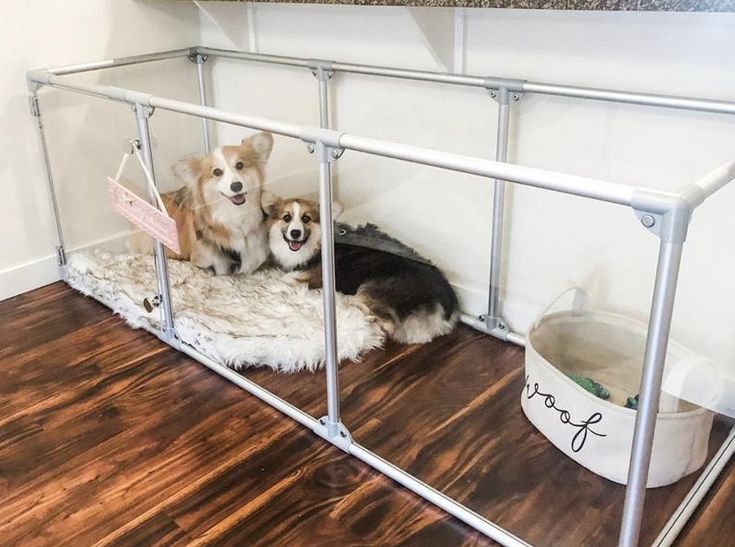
(632, 403)
(588, 384)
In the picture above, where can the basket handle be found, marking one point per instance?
(578, 303)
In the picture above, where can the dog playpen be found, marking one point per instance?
(665, 214)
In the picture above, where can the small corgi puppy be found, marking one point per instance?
(410, 297)
(218, 213)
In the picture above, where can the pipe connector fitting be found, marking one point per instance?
(37, 78)
(317, 135)
(196, 56)
(320, 64)
(129, 96)
(512, 85)
(665, 214)
(335, 433)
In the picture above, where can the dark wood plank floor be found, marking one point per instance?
(109, 437)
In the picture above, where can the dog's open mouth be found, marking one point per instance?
(238, 199)
(294, 245)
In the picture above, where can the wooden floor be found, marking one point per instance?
(109, 437)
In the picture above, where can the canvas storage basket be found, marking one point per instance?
(595, 432)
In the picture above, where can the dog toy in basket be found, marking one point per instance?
(588, 384)
(632, 402)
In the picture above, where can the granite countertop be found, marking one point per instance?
(596, 5)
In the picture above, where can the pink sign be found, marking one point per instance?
(153, 222)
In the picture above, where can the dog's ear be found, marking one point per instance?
(270, 203)
(261, 144)
(188, 170)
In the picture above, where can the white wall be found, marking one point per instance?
(552, 239)
(85, 135)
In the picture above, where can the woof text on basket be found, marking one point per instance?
(583, 427)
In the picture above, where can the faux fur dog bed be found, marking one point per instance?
(264, 319)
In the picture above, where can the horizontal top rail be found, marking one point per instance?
(259, 57)
(575, 185)
(601, 190)
(211, 113)
(585, 187)
(488, 82)
(630, 97)
(121, 61)
(421, 75)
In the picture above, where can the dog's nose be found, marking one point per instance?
(295, 234)
(236, 186)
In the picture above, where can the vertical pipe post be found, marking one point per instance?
(322, 76)
(659, 326)
(493, 318)
(323, 154)
(142, 114)
(200, 59)
(328, 289)
(43, 145)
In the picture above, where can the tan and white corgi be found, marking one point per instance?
(218, 213)
(410, 297)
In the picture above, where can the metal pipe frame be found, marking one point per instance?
(324, 156)
(142, 114)
(494, 320)
(200, 59)
(43, 147)
(328, 291)
(122, 61)
(696, 494)
(666, 214)
(662, 309)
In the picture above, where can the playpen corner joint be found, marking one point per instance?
(664, 214)
(37, 78)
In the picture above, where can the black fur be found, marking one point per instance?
(370, 236)
(235, 257)
(402, 284)
(396, 279)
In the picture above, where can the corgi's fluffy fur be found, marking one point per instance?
(410, 297)
(218, 212)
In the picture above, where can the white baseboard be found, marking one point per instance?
(43, 271)
(28, 276)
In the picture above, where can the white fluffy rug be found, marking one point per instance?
(264, 319)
